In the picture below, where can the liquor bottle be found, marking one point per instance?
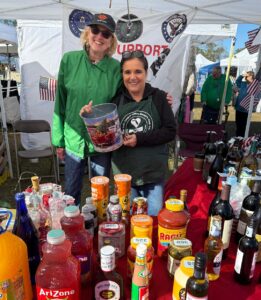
(216, 166)
(225, 210)
(234, 157)
(183, 197)
(213, 204)
(246, 254)
(108, 281)
(140, 280)
(24, 228)
(248, 162)
(210, 152)
(257, 216)
(249, 205)
(214, 248)
(197, 285)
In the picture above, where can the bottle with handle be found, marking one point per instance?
(25, 229)
(225, 211)
(246, 254)
(140, 280)
(197, 285)
(249, 206)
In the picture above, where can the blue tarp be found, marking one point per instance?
(203, 74)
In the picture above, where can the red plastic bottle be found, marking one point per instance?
(58, 275)
(73, 224)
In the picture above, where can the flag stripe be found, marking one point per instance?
(47, 88)
(252, 90)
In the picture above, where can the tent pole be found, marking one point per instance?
(232, 46)
(249, 115)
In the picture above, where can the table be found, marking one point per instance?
(199, 198)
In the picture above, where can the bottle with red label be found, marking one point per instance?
(58, 275)
(172, 223)
(82, 242)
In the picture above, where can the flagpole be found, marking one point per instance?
(249, 116)
(221, 110)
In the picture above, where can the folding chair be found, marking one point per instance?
(194, 136)
(34, 126)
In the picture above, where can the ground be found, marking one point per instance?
(10, 187)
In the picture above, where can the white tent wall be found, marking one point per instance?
(40, 50)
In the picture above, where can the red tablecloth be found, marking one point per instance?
(199, 198)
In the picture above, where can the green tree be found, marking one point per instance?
(8, 22)
(212, 51)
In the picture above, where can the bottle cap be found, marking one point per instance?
(56, 237)
(200, 260)
(174, 205)
(19, 196)
(141, 231)
(141, 220)
(135, 241)
(187, 265)
(141, 250)
(89, 200)
(107, 258)
(71, 211)
(114, 199)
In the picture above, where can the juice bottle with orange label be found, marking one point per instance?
(172, 223)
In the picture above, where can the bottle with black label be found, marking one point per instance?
(214, 248)
(249, 205)
(225, 211)
(108, 282)
(246, 254)
(216, 166)
(197, 285)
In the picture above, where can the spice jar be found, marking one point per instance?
(141, 222)
(131, 255)
(178, 248)
(182, 274)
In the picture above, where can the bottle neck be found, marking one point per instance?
(225, 192)
(140, 260)
(21, 207)
(250, 232)
(199, 273)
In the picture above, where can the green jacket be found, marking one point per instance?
(80, 81)
(212, 91)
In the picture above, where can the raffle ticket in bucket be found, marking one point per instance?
(123, 190)
(100, 195)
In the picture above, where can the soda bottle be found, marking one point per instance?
(73, 224)
(25, 229)
(14, 267)
(58, 275)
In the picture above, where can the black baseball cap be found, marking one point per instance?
(104, 20)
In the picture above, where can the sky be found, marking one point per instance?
(241, 36)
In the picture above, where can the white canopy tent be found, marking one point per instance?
(202, 61)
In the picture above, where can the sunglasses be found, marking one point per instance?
(132, 54)
(105, 33)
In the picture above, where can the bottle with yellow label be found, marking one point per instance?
(14, 267)
(172, 223)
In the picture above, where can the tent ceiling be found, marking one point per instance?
(205, 11)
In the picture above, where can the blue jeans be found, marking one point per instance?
(154, 194)
(74, 172)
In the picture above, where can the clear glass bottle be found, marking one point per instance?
(107, 280)
(213, 248)
(197, 285)
(140, 280)
(249, 205)
(246, 254)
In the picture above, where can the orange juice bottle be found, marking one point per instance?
(14, 268)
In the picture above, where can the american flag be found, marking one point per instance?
(47, 88)
(252, 90)
(251, 36)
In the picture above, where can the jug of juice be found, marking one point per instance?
(73, 225)
(58, 275)
(14, 268)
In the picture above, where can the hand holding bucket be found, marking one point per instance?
(103, 126)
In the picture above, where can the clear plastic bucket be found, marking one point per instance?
(103, 126)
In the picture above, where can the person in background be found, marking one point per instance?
(243, 83)
(147, 123)
(85, 75)
(211, 95)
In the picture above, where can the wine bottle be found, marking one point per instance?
(213, 204)
(210, 152)
(213, 248)
(183, 197)
(234, 157)
(140, 280)
(246, 254)
(225, 211)
(108, 281)
(249, 205)
(257, 217)
(197, 285)
(216, 166)
(25, 229)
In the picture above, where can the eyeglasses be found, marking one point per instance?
(105, 33)
(133, 54)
